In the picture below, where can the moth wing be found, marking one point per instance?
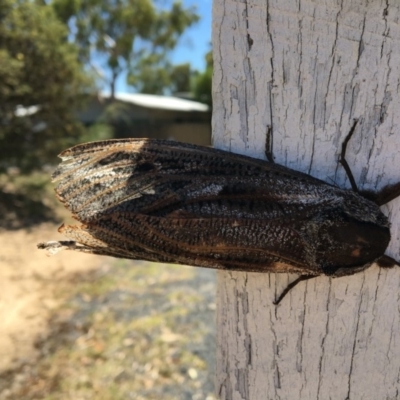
(165, 178)
(214, 243)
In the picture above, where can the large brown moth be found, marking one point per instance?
(165, 201)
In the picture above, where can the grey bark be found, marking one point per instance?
(308, 69)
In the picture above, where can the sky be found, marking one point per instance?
(194, 43)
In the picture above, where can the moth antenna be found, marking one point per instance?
(333, 182)
(268, 145)
(386, 194)
(342, 159)
(291, 285)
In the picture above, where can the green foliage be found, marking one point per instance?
(131, 35)
(98, 131)
(150, 75)
(203, 82)
(181, 78)
(37, 68)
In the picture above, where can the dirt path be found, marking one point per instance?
(30, 288)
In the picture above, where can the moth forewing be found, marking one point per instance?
(172, 202)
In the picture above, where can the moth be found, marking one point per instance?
(170, 202)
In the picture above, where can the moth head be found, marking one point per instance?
(364, 210)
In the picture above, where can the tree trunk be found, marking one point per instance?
(308, 69)
(114, 76)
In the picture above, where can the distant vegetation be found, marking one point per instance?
(203, 81)
(127, 36)
(54, 54)
(41, 82)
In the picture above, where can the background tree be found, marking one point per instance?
(162, 78)
(174, 79)
(133, 36)
(181, 77)
(165, 78)
(41, 81)
(203, 81)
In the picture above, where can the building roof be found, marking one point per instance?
(159, 102)
(22, 111)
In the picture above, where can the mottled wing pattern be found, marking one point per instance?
(173, 202)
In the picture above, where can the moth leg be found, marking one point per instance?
(291, 285)
(342, 158)
(268, 145)
(387, 262)
(386, 194)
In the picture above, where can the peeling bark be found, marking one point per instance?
(307, 70)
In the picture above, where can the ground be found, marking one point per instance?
(77, 326)
(29, 280)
